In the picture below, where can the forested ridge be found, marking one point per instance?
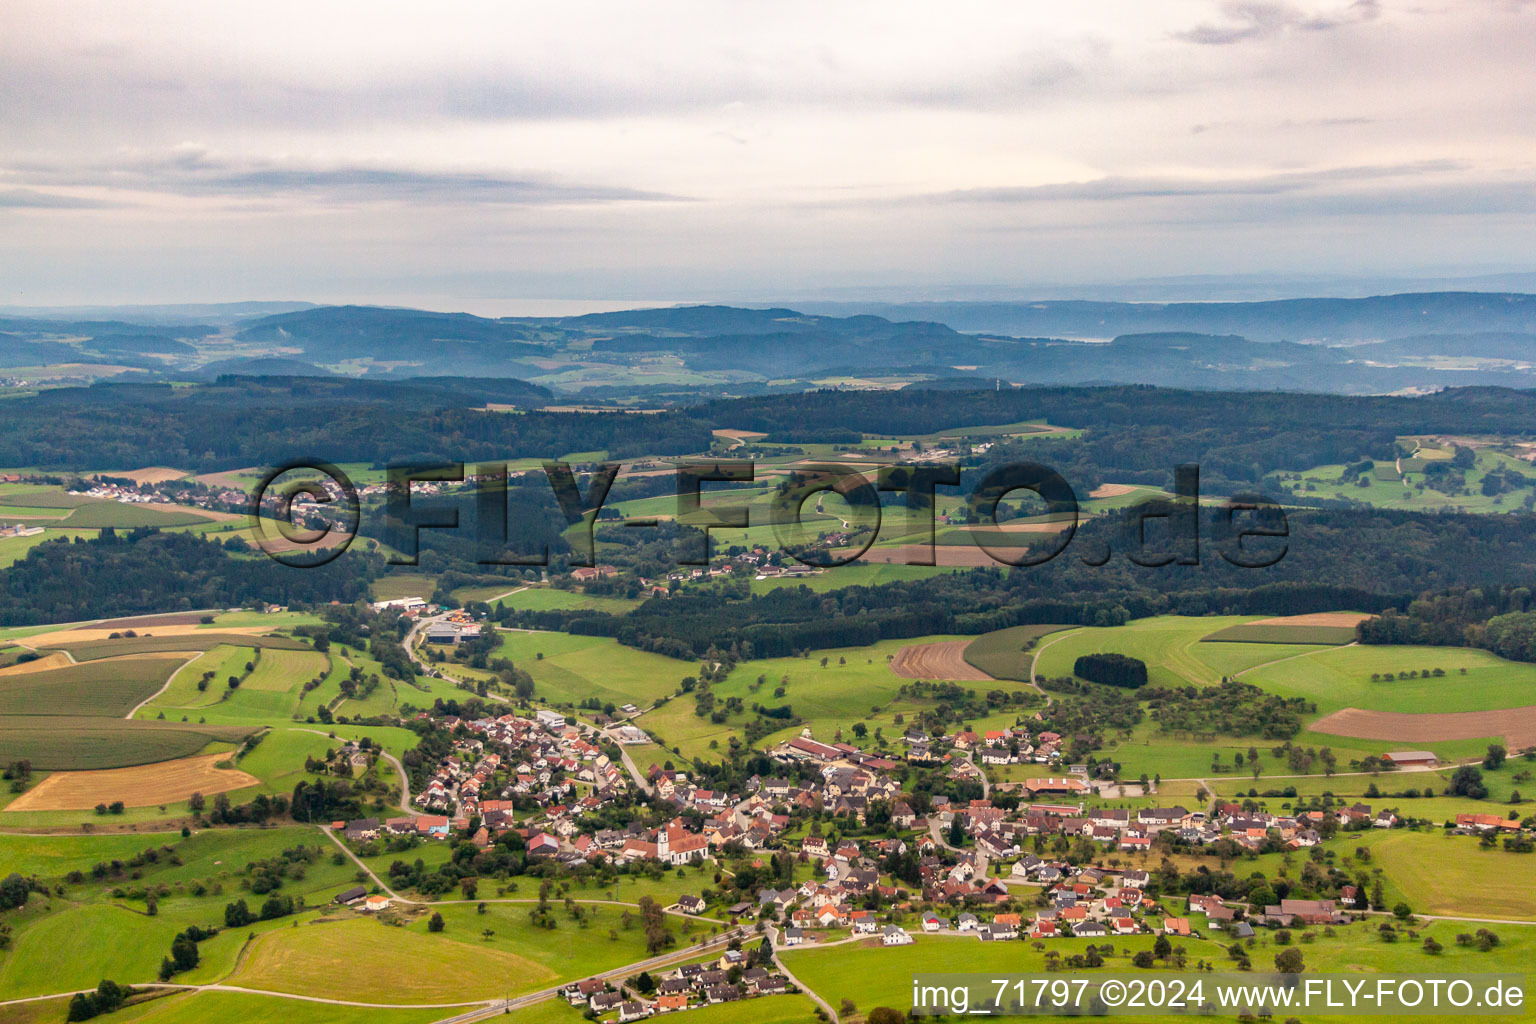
(143, 571)
(1336, 559)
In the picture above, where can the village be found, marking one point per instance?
(1040, 863)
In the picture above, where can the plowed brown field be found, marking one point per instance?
(943, 660)
(1516, 725)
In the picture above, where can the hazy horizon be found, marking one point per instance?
(504, 153)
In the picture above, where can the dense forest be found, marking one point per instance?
(1336, 559)
(241, 421)
(143, 571)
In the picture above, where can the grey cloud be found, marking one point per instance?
(1263, 19)
(191, 171)
(31, 199)
(1122, 188)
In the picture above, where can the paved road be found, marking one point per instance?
(773, 938)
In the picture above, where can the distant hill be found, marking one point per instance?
(1331, 321)
(261, 366)
(433, 342)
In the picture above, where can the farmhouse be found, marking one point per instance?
(1411, 759)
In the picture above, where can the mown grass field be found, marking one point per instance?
(573, 668)
(1169, 644)
(871, 975)
(245, 1007)
(223, 660)
(549, 599)
(398, 585)
(1341, 677)
(13, 549)
(74, 940)
(385, 964)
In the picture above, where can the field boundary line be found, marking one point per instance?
(1293, 657)
(190, 658)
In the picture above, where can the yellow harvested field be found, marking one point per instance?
(234, 479)
(152, 474)
(143, 785)
(85, 635)
(1111, 490)
(58, 659)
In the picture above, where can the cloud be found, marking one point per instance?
(31, 199)
(1248, 20)
(1133, 188)
(191, 170)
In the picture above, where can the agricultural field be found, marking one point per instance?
(183, 639)
(109, 687)
(398, 585)
(246, 1007)
(1341, 677)
(59, 743)
(1170, 645)
(13, 549)
(164, 782)
(871, 975)
(567, 669)
(942, 660)
(538, 599)
(116, 514)
(72, 941)
(1008, 653)
(1320, 628)
(855, 685)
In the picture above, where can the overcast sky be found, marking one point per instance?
(474, 156)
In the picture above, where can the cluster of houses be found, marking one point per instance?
(422, 826)
(551, 765)
(555, 768)
(692, 985)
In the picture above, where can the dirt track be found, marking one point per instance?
(944, 660)
(140, 786)
(1516, 725)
